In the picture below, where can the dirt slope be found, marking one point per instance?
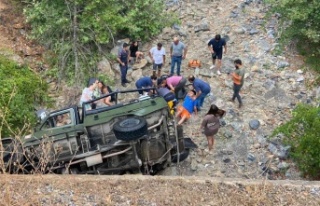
(146, 190)
(13, 41)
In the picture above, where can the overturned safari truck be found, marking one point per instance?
(136, 136)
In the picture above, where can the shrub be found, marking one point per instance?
(302, 133)
(76, 32)
(21, 89)
(300, 21)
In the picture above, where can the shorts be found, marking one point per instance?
(217, 55)
(157, 66)
(211, 132)
(169, 97)
(184, 112)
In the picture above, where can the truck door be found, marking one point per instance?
(58, 134)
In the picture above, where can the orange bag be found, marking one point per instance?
(194, 63)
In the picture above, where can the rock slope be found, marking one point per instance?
(274, 84)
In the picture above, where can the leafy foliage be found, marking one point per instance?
(303, 17)
(302, 133)
(76, 31)
(21, 89)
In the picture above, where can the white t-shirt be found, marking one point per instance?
(86, 95)
(158, 54)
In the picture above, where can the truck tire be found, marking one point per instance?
(130, 129)
(12, 155)
(183, 156)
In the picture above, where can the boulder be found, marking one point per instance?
(282, 64)
(14, 57)
(118, 47)
(253, 31)
(142, 64)
(254, 124)
(104, 68)
(136, 74)
(203, 26)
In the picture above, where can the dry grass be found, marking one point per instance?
(146, 190)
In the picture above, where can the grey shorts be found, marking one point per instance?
(157, 66)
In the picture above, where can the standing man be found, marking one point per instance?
(202, 89)
(216, 47)
(158, 56)
(123, 59)
(178, 51)
(238, 79)
(176, 84)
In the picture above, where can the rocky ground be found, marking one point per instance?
(274, 83)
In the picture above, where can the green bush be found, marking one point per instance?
(302, 133)
(300, 19)
(76, 32)
(21, 89)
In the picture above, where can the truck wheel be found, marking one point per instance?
(12, 151)
(12, 155)
(183, 156)
(130, 129)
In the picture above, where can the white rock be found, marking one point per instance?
(300, 79)
(300, 71)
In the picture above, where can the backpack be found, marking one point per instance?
(194, 63)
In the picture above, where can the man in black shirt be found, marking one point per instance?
(216, 46)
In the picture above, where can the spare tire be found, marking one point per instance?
(130, 129)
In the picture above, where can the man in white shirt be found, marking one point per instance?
(158, 56)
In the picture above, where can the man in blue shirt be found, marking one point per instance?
(202, 90)
(216, 47)
(178, 51)
(146, 82)
(123, 59)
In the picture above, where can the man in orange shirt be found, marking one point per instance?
(238, 79)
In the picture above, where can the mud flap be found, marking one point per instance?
(183, 156)
(188, 143)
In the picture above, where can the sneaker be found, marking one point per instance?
(212, 67)
(218, 72)
(127, 81)
(240, 105)
(124, 85)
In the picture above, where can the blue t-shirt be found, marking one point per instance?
(189, 104)
(217, 45)
(144, 82)
(200, 85)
